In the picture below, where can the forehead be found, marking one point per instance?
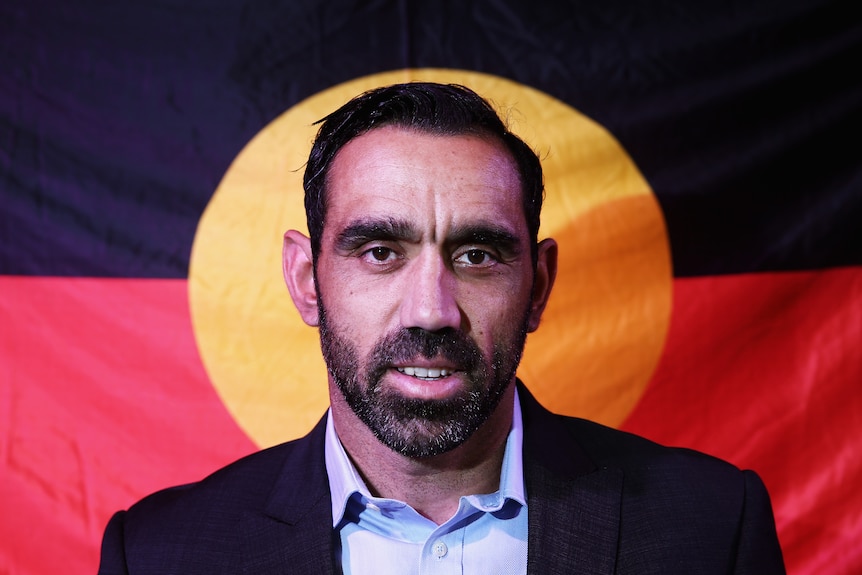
(444, 180)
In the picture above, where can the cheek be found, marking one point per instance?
(356, 311)
(495, 317)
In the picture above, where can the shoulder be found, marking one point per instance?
(208, 509)
(267, 500)
(607, 446)
(645, 462)
(241, 484)
(683, 503)
(655, 478)
(675, 506)
(572, 445)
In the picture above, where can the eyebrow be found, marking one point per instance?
(485, 234)
(364, 231)
(360, 232)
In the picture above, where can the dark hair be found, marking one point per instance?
(444, 109)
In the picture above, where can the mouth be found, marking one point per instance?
(426, 373)
(427, 382)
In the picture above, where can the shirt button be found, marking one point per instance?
(440, 550)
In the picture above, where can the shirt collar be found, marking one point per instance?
(344, 479)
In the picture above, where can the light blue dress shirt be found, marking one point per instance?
(378, 536)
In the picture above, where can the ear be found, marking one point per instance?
(546, 273)
(298, 268)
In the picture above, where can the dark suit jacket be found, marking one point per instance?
(599, 501)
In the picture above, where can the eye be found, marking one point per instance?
(379, 254)
(475, 257)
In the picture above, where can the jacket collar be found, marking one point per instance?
(574, 506)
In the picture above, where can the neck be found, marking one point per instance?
(434, 485)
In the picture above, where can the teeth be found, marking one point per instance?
(424, 373)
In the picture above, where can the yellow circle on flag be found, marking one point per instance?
(603, 330)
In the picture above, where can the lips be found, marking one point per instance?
(428, 373)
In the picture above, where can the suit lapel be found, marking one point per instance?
(574, 508)
(294, 532)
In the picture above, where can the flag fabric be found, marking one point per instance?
(121, 124)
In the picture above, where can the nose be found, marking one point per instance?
(429, 301)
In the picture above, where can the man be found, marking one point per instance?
(424, 274)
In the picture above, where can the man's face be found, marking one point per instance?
(424, 280)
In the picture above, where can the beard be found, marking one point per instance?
(417, 427)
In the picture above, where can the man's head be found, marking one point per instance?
(425, 275)
(442, 109)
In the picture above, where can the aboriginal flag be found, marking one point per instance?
(120, 123)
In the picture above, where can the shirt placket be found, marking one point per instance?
(443, 553)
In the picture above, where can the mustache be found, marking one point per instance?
(408, 343)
